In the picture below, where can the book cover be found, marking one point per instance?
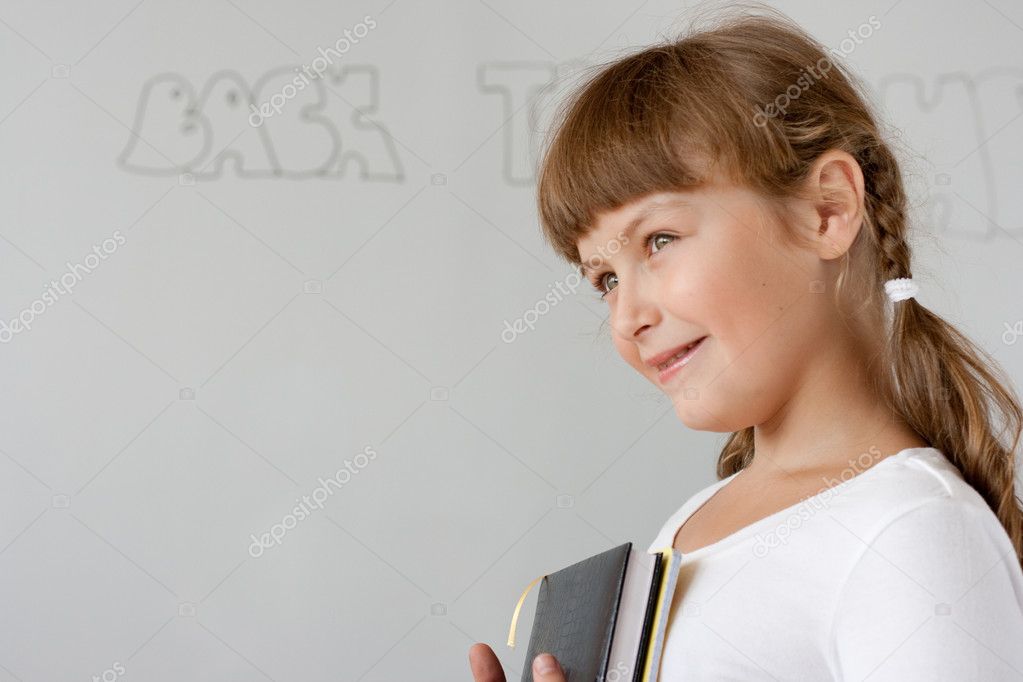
(579, 614)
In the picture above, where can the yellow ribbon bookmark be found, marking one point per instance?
(518, 607)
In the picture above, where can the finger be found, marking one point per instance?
(484, 664)
(547, 669)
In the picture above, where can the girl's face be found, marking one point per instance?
(711, 264)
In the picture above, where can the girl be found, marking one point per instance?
(731, 198)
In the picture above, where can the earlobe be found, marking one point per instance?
(832, 237)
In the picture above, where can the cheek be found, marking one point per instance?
(700, 292)
(749, 302)
(734, 290)
(765, 335)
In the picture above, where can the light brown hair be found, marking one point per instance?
(662, 118)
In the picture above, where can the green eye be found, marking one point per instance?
(653, 238)
(602, 283)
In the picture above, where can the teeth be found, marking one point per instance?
(675, 357)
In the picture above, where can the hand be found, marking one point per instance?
(487, 668)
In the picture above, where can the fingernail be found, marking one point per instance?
(544, 664)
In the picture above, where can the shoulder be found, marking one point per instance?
(899, 490)
(919, 521)
(935, 583)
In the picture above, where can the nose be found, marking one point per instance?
(634, 310)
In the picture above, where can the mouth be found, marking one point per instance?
(670, 361)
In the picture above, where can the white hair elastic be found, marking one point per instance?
(901, 288)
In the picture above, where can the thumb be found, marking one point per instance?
(547, 669)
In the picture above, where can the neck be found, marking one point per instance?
(835, 415)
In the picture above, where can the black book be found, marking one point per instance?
(604, 618)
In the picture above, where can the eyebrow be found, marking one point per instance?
(644, 214)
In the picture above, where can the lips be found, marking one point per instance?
(661, 360)
(670, 367)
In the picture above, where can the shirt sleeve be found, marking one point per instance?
(936, 595)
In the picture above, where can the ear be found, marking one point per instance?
(835, 185)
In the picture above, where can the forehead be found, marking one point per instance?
(615, 227)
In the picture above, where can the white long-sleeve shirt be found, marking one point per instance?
(898, 574)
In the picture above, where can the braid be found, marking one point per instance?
(886, 208)
(945, 386)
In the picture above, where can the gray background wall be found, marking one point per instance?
(265, 303)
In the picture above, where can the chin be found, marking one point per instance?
(694, 413)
